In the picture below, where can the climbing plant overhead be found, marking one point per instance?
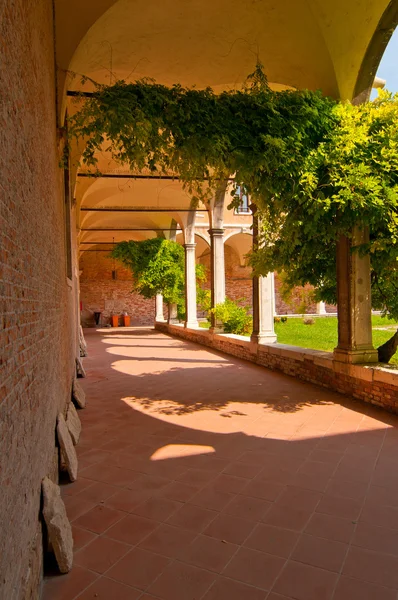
(256, 134)
(349, 179)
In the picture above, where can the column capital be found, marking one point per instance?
(216, 232)
(190, 246)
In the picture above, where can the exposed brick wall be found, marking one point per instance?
(99, 292)
(36, 354)
(374, 385)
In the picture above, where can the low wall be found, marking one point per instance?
(374, 384)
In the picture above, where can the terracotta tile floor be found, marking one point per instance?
(205, 477)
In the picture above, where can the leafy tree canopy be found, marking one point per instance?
(157, 267)
(256, 134)
(350, 178)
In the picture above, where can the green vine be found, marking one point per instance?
(256, 134)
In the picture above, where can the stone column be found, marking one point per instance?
(321, 308)
(354, 302)
(263, 310)
(159, 309)
(217, 274)
(263, 297)
(191, 319)
(172, 318)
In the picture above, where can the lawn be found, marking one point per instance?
(322, 335)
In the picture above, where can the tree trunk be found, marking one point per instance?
(387, 350)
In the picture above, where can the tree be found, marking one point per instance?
(350, 178)
(157, 266)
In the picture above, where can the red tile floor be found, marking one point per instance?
(206, 477)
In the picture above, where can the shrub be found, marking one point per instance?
(235, 318)
(308, 321)
(283, 319)
(277, 320)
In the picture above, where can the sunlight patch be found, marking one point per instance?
(180, 451)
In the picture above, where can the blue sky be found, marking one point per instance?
(388, 68)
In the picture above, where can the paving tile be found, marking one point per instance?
(347, 489)
(81, 537)
(182, 582)
(263, 488)
(229, 589)
(100, 554)
(99, 519)
(211, 498)
(169, 541)
(132, 529)
(208, 553)
(319, 552)
(287, 517)
(245, 470)
(107, 589)
(157, 508)
(367, 565)
(379, 539)
(250, 508)
(347, 508)
(229, 483)
(304, 582)
(330, 527)
(254, 568)
(76, 506)
(65, 587)
(98, 492)
(353, 589)
(176, 490)
(230, 528)
(139, 568)
(127, 500)
(273, 540)
(194, 518)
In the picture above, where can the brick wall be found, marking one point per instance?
(99, 292)
(375, 385)
(36, 344)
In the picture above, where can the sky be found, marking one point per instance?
(388, 68)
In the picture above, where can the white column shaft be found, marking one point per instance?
(191, 319)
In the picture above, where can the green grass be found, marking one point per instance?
(322, 335)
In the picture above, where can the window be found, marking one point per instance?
(243, 207)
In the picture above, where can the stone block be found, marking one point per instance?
(58, 526)
(73, 423)
(78, 395)
(80, 372)
(67, 448)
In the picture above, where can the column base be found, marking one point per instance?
(191, 324)
(263, 338)
(216, 329)
(160, 320)
(173, 321)
(365, 355)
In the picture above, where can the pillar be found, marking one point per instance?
(172, 318)
(321, 308)
(217, 274)
(191, 319)
(263, 297)
(354, 302)
(159, 308)
(263, 310)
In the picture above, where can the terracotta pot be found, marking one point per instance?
(126, 320)
(115, 321)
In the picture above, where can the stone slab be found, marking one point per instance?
(78, 395)
(58, 526)
(80, 372)
(73, 423)
(67, 448)
(82, 342)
